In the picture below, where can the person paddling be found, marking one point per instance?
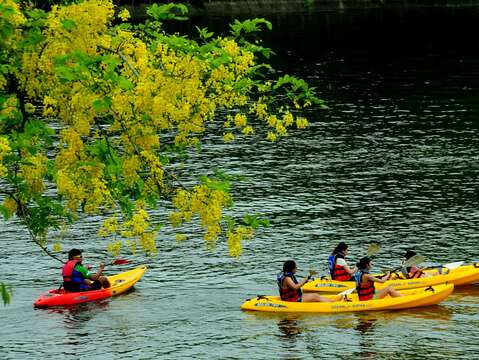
(290, 287)
(411, 272)
(365, 283)
(338, 267)
(77, 277)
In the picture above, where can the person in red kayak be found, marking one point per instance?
(365, 283)
(338, 267)
(76, 277)
(290, 287)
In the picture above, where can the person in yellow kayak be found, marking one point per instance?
(365, 282)
(412, 272)
(76, 277)
(290, 287)
(338, 267)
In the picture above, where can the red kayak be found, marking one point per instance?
(119, 284)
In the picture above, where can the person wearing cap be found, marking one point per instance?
(76, 277)
(338, 267)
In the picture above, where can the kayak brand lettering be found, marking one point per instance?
(270, 305)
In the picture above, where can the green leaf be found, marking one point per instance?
(240, 28)
(204, 34)
(255, 221)
(68, 24)
(124, 83)
(65, 73)
(6, 214)
(7, 292)
(102, 105)
(167, 11)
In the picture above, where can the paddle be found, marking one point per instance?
(347, 292)
(413, 260)
(373, 249)
(119, 262)
(449, 266)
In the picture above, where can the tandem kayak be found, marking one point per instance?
(431, 295)
(463, 275)
(119, 284)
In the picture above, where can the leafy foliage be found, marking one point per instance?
(97, 115)
(6, 291)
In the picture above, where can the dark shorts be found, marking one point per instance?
(76, 287)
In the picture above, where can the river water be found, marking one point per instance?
(394, 160)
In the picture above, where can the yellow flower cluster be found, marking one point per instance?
(57, 247)
(100, 82)
(114, 248)
(301, 122)
(235, 239)
(109, 226)
(33, 171)
(9, 109)
(203, 202)
(4, 150)
(131, 166)
(10, 205)
(124, 15)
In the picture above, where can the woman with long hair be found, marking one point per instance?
(338, 267)
(290, 287)
(365, 282)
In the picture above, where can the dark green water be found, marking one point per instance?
(395, 160)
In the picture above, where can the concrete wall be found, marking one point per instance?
(301, 6)
(264, 7)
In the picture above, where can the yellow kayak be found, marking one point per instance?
(463, 275)
(412, 298)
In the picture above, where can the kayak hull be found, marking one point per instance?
(463, 275)
(412, 298)
(119, 284)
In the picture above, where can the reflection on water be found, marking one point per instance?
(76, 316)
(365, 324)
(290, 328)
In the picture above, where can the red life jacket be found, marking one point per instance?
(338, 272)
(414, 273)
(288, 294)
(67, 270)
(365, 291)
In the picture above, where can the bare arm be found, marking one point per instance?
(288, 282)
(379, 280)
(99, 273)
(349, 270)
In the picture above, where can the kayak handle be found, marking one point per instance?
(429, 288)
(261, 297)
(323, 277)
(476, 265)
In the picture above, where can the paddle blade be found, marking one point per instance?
(347, 292)
(414, 260)
(453, 265)
(313, 272)
(120, 262)
(373, 249)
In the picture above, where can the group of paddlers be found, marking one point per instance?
(290, 287)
